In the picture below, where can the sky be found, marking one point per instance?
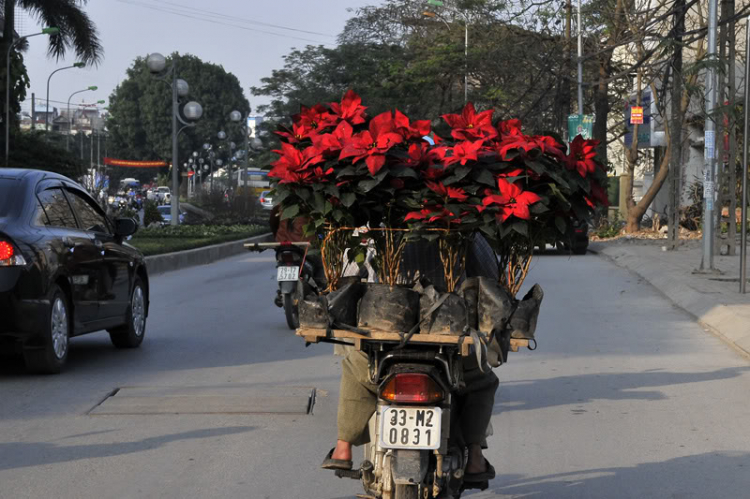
(236, 34)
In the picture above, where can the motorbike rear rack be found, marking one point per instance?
(316, 335)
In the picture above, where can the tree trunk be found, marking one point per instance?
(732, 171)
(601, 106)
(675, 138)
(9, 8)
(563, 93)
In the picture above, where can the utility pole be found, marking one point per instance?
(580, 63)
(675, 160)
(33, 111)
(709, 155)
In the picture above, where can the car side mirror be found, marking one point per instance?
(125, 227)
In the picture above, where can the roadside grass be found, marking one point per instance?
(160, 240)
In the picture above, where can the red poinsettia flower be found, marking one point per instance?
(465, 151)
(298, 133)
(294, 165)
(350, 108)
(372, 144)
(411, 131)
(316, 117)
(447, 192)
(509, 127)
(582, 154)
(512, 199)
(432, 214)
(520, 143)
(469, 125)
(550, 146)
(597, 196)
(335, 141)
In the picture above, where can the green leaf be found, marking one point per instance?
(338, 215)
(484, 176)
(368, 185)
(332, 190)
(318, 202)
(348, 199)
(327, 207)
(561, 225)
(290, 212)
(404, 171)
(521, 228)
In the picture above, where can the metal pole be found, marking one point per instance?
(7, 102)
(580, 62)
(70, 127)
(33, 111)
(743, 221)
(709, 174)
(246, 129)
(466, 61)
(175, 165)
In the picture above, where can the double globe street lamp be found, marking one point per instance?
(70, 116)
(157, 65)
(256, 144)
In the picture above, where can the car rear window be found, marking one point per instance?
(8, 188)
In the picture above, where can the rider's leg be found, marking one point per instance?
(477, 400)
(357, 403)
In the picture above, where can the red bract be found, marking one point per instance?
(372, 144)
(335, 141)
(465, 151)
(509, 127)
(411, 131)
(350, 109)
(447, 191)
(598, 196)
(550, 146)
(299, 132)
(432, 214)
(521, 143)
(512, 200)
(469, 125)
(581, 156)
(316, 117)
(294, 166)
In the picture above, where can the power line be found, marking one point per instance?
(213, 21)
(234, 18)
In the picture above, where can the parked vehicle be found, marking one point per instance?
(65, 270)
(577, 238)
(163, 195)
(166, 214)
(266, 201)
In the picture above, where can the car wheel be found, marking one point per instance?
(131, 334)
(51, 357)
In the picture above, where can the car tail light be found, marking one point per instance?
(262, 200)
(412, 389)
(9, 256)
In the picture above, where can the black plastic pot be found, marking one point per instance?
(394, 309)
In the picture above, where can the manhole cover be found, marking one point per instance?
(207, 400)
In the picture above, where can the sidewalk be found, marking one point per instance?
(713, 299)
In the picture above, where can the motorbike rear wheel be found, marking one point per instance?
(406, 492)
(291, 311)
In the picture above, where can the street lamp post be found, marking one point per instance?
(438, 3)
(45, 31)
(157, 64)
(46, 115)
(70, 118)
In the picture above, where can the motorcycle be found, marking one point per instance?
(292, 266)
(411, 453)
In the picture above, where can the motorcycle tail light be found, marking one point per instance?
(411, 388)
(287, 258)
(9, 257)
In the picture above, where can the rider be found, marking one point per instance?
(358, 397)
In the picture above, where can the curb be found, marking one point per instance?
(168, 262)
(726, 321)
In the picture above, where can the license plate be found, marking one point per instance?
(287, 274)
(410, 427)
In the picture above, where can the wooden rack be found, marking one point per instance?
(314, 335)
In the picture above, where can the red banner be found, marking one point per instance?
(134, 164)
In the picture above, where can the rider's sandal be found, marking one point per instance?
(484, 476)
(335, 464)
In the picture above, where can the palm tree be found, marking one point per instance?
(77, 31)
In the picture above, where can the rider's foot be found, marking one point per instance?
(476, 462)
(343, 451)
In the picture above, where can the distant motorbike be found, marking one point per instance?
(293, 267)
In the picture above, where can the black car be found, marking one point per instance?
(65, 270)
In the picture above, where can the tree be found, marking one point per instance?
(140, 122)
(77, 33)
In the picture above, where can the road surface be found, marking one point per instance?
(626, 397)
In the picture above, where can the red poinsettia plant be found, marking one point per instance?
(339, 167)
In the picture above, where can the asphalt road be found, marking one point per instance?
(625, 397)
